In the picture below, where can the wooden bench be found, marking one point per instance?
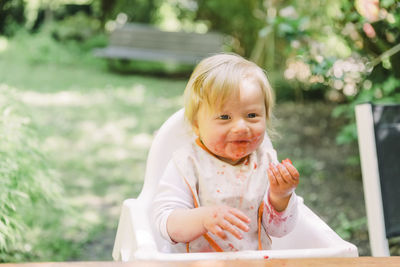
(144, 42)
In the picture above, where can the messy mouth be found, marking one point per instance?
(240, 142)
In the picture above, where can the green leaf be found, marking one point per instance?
(386, 3)
(390, 85)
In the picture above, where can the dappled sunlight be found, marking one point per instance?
(142, 140)
(109, 133)
(3, 44)
(99, 139)
(114, 153)
(56, 143)
(133, 95)
(64, 98)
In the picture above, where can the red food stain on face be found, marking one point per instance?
(255, 165)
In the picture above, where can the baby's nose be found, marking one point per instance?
(240, 126)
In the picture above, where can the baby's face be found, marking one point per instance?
(238, 128)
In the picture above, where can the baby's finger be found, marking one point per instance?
(236, 222)
(216, 230)
(228, 227)
(287, 160)
(293, 171)
(284, 173)
(278, 175)
(239, 214)
(272, 178)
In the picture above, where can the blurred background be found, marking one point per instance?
(75, 130)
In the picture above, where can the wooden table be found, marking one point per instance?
(326, 262)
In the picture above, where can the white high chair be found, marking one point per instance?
(136, 239)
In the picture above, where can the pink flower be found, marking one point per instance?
(369, 30)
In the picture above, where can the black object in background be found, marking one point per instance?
(387, 135)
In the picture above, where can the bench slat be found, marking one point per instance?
(144, 42)
(150, 55)
(168, 41)
(132, 39)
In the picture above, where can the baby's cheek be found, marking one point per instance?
(258, 138)
(217, 147)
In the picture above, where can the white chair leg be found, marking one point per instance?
(371, 181)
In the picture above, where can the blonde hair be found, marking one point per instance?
(216, 78)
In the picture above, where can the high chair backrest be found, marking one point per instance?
(174, 133)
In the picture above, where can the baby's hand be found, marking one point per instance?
(283, 179)
(219, 219)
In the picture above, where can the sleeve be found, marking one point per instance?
(277, 223)
(172, 193)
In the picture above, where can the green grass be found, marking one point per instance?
(95, 128)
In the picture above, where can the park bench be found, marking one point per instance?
(143, 42)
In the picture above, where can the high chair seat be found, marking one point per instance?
(137, 240)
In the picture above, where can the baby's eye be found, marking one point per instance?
(251, 115)
(224, 117)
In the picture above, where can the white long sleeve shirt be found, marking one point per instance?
(215, 182)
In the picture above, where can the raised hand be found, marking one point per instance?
(283, 178)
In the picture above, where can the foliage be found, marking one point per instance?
(353, 60)
(11, 16)
(78, 27)
(42, 48)
(27, 182)
(233, 18)
(347, 228)
(136, 10)
(375, 37)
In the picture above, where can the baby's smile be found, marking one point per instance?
(240, 142)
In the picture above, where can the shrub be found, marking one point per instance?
(354, 59)
(12, 16)
(79, 27)
(27, 182)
